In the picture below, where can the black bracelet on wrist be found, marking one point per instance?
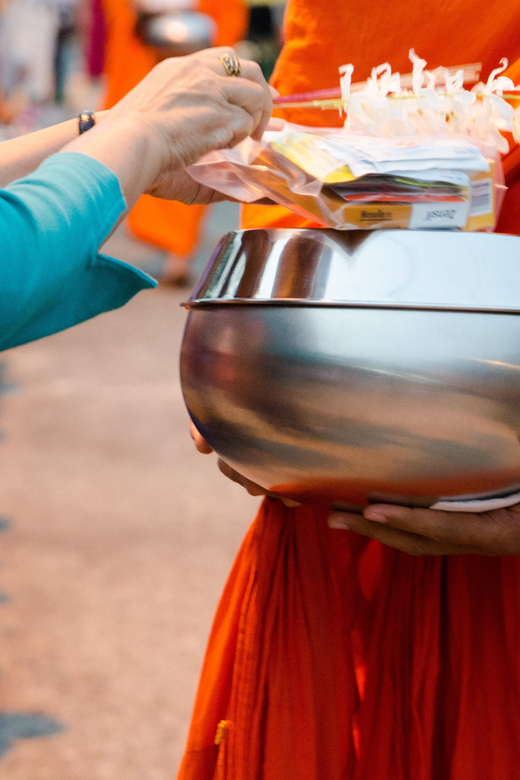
(86, 120)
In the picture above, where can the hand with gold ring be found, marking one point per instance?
(188, 106)
(231, 63)
(248, 71)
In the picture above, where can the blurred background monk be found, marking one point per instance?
(338, 655)
(168, 225)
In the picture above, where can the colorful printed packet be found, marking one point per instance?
(349, 181)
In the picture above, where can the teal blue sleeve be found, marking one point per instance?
(52, 223)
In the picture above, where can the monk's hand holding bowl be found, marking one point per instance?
(433, 532)
(412, 530)
(418, 531)
(252, 488)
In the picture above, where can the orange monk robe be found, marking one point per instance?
(321, 36)
(333, 657)
(166, 224)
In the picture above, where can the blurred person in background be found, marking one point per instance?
(127, 60)
(390, 651)
(28, 52)
(64, 45)
(28, 32)
(37, 52)
(94, 37)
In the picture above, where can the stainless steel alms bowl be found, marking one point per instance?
(338, 367)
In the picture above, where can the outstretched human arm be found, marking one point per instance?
(53, 221)
(185, 107)
(51, 225)
(20, 156)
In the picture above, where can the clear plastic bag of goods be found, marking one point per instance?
(428, 156)
(348, 181)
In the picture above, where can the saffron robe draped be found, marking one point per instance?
(333, 657)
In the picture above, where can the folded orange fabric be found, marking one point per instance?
(334, 657)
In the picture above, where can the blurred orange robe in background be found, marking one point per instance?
(168, 225)
(331, 656)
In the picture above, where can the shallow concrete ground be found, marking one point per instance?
(117, 540)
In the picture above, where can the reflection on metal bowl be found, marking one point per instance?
(177, 34)
(351, 367)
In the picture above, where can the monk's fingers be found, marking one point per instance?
(287, 501)
(407, 542)
(495, 533)
(252, 488)
(200, 443)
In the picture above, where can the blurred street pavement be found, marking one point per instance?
(116, 541)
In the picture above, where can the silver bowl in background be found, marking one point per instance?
(338, 367)
(178, 33)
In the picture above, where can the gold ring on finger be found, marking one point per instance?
(231, 63)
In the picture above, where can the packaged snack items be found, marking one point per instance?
(425, 157)
(350, 181)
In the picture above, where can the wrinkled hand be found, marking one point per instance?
(190, 106)
(180, 186)
(252, 488)
(432, 532)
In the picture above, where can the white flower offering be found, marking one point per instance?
(436, 104)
